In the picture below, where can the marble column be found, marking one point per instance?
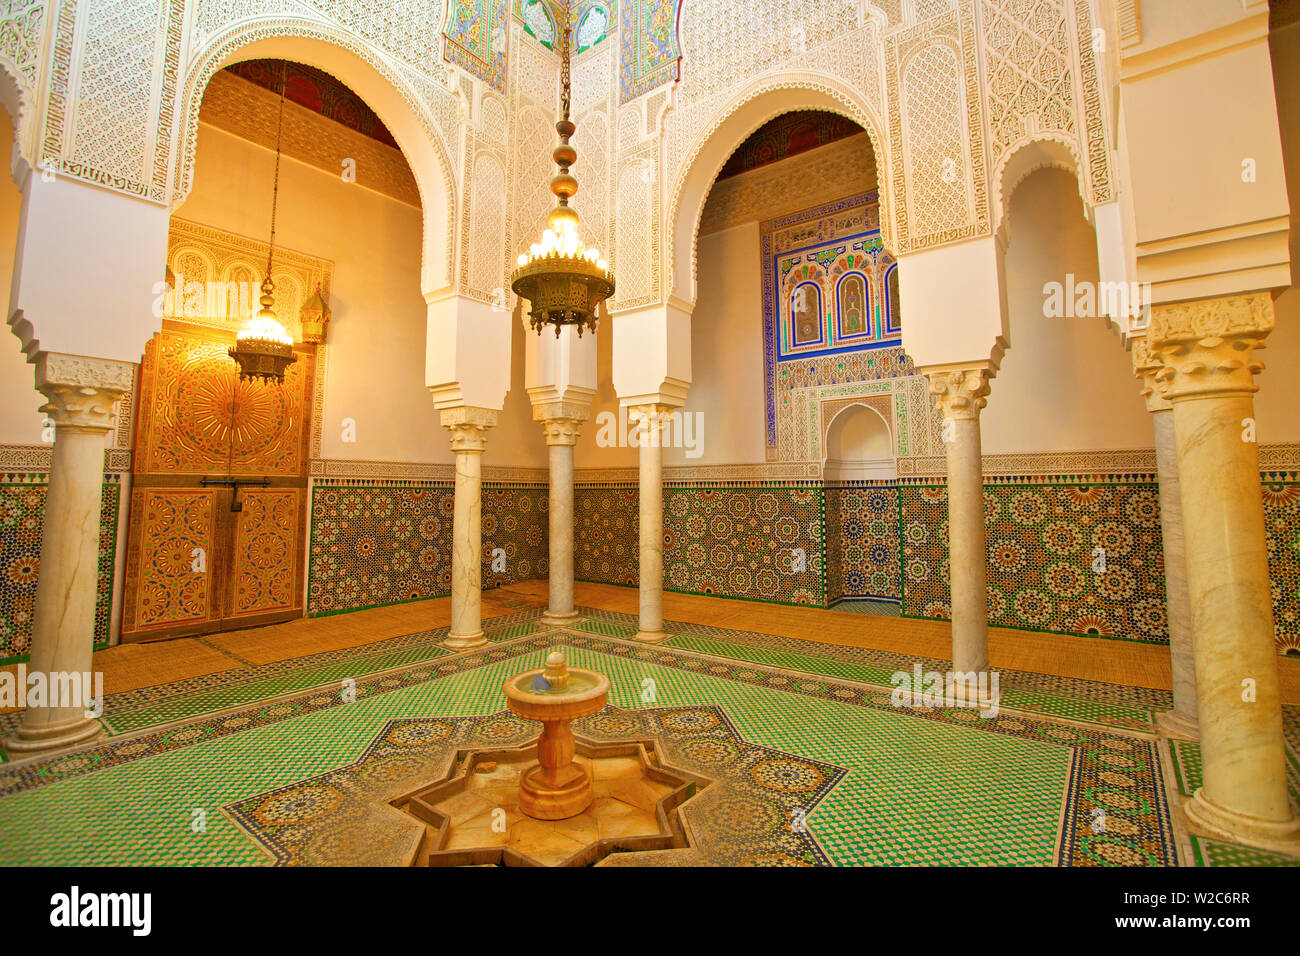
(648, 421)
(560, 424)
(83, 393)
(1207, 350)
(1181, 721)
(959, 395)
(468, 427)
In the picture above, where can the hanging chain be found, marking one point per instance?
(564, 64)
(275, 191)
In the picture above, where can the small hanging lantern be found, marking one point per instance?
(315, 318)
(263, 349)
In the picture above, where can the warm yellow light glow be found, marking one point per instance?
(266, 329)
(561, 241)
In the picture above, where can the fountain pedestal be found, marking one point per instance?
(558, 787)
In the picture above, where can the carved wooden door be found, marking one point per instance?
(216, 526)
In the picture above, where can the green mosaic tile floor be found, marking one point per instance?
(915, 791)
(914, 785)
(1115, 714)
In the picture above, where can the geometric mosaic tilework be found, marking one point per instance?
(1075, 559)
(309, 822)
(1282, 534)
(22, 518)
(380, 543)
(761, 543)
(868, 544)
(651, 54)
(910, 786)
(606, 522)
(474, 38)
(806, 258)
(1209, 852)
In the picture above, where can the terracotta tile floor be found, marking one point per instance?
(131, 666)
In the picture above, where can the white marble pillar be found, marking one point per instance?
(649, 429)
(560, 425)
(82, 394)
(468, 427)
(959, 395)
(1207, 350)
(1181, 721)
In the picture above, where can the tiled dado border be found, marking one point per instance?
(22, 518)
(888, 540)
(375, 541)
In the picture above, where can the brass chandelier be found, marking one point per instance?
(263, 349)
(564, 281)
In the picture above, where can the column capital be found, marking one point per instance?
(561, 431)
(655, 410)
(1146, 367)
(83, 391)
(959, 393)
(1206, 347)
(468, 426)
(576, 410)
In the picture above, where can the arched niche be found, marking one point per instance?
(859, 446)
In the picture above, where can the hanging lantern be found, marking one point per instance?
(263, 349)
(563, 281)
(315, 318)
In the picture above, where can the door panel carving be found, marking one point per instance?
(194, 563)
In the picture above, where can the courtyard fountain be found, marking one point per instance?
(557, 787)
(559, 801)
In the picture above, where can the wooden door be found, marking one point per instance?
(194, 565)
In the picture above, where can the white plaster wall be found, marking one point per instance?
(1065, 384)
(21, 422)
(726, 390)
(1275, 402)
(376, 355)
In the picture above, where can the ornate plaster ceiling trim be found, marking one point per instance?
(829, 172)
(225, 46)
(327, 471)
(1047, 150)
(243, 108)
(21, 32)
(39, 459)
(851, 105)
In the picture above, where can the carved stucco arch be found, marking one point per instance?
(16, 98)
(363, 69)
(839, 413)
(1042, 150)
(744, 113)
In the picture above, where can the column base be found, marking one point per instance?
(652, 637)
(1176, 725)
(1280, 837)
(461, 641)
(962, 695)
(53, 738)
(560, 620)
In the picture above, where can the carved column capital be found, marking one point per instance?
(960, 393)
(561, 421)
(561, 431)
(1146, 367)
(655, 412)
(468, 427)
(1207, 347)
(83, 392)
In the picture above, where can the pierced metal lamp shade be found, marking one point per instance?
(263, 349)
